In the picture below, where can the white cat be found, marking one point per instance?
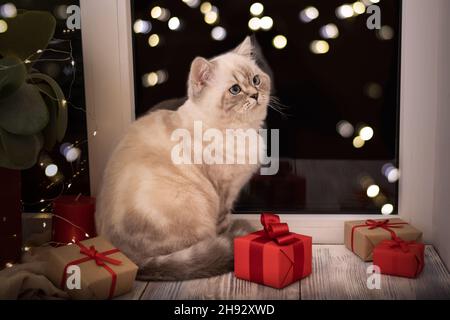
(173, 219)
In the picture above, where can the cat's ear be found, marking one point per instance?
(246, 48)
(201, 72)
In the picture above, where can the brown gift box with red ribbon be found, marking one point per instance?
(363, 236)
(274, 256)
(105, 272)
(399, 258)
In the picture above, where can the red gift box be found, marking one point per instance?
(399, 258)
(274, 256)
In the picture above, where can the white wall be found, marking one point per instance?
(108, 71)
(441, 212)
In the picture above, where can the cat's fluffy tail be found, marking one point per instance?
(207, 258)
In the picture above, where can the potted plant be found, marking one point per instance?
(33, 116)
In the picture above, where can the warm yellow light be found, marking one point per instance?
(256, 9)
(319, 47)
(3, 26)
(153, 40)
(211, 17)
(205, 7)
(358, 142)
(366, 133)
(329, 31)
(279, 41)
(156, 12)
(266, 23)
(373, 191)
(150, 79)
(345, 11)
(174, 23)
(254, 23)
(359, 7)
(309, 14)
(387, 209)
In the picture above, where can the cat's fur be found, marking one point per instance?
(173, 220)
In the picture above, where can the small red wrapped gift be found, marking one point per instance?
(399, 258)
(274, 256)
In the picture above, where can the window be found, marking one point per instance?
(68, 172)
(337, 82)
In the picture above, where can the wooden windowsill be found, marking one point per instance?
(337, 274)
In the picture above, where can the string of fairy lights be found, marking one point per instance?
(70, 151)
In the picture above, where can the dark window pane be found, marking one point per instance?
(340, 96)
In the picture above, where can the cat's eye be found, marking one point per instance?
(235, 89)
(256, 80)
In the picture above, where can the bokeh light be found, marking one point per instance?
(3, 26)
(309, 14)
(142, 26)
(345, 11)
(174, 23)
(205, 7)
(373, 191)
(385, 33)
(8, 10)
(366, 133)
(345, 129)
(266, 23)
(358, 142)
(192, 3)
(387, 209)
(279, 41)
(256, 9)
(211, 17)
(153, 40)
(254, 23)
(218, 33)
(319, 47)
(359, 7)
(329, 31)
(51, 170)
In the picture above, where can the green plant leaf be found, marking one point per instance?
(19, 152)
(61, 111)
(27, 33)
(24, 112)
(12, 75)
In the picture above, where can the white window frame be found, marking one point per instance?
(109, 83)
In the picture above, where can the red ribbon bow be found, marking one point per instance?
(100, 258)
(374, 224)
(275, 230)
(397, 242)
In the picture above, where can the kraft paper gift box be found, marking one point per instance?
(105, 271)
(362, 236)
(399, 258)
(274, 257)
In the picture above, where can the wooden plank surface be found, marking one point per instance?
(337, 274)
(223, 287)
(136, 293)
